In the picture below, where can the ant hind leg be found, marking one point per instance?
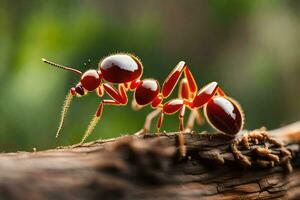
(149, 119)
(148, 122)
(160, 122)
(182, 147)
(195, 115)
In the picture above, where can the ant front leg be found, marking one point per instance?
(65, 109)
(97, 117)
(119, 99)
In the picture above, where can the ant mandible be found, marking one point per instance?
(125, 70)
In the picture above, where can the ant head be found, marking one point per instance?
(78, 89)
(90, 79)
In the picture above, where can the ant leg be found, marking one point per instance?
(185, 93)
(100, 91)
(182, 148)
(159, 122)
(148, 122)
(119, 98)
(190, 122)
(93, 123)
(199, 118)
(65, 109)
(204, 95)
(118, 95)
(97, 117)
(134, 105)
(173, 77)
(149, 119)
(171, 107)
(195, 115)
(220, 92)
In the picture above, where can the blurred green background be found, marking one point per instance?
(250, 47)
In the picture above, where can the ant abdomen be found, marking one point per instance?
(224, 114)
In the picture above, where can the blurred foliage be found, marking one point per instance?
(250, 47)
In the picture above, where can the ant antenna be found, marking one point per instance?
(61, 66)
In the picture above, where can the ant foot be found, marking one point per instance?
(76, 145)
(260, 141)
(187, 130)
(141, 132)
(182, 151)
(164, 133)
(181, 146)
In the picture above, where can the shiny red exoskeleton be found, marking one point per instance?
(125, 72)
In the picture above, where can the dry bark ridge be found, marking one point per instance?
(131, 167)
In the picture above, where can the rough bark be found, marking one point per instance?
(135, 167)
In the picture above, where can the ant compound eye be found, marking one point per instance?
(90, 80)
(79, 89)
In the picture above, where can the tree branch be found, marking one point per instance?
(147, 167)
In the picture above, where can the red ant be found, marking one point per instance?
(223, 113)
